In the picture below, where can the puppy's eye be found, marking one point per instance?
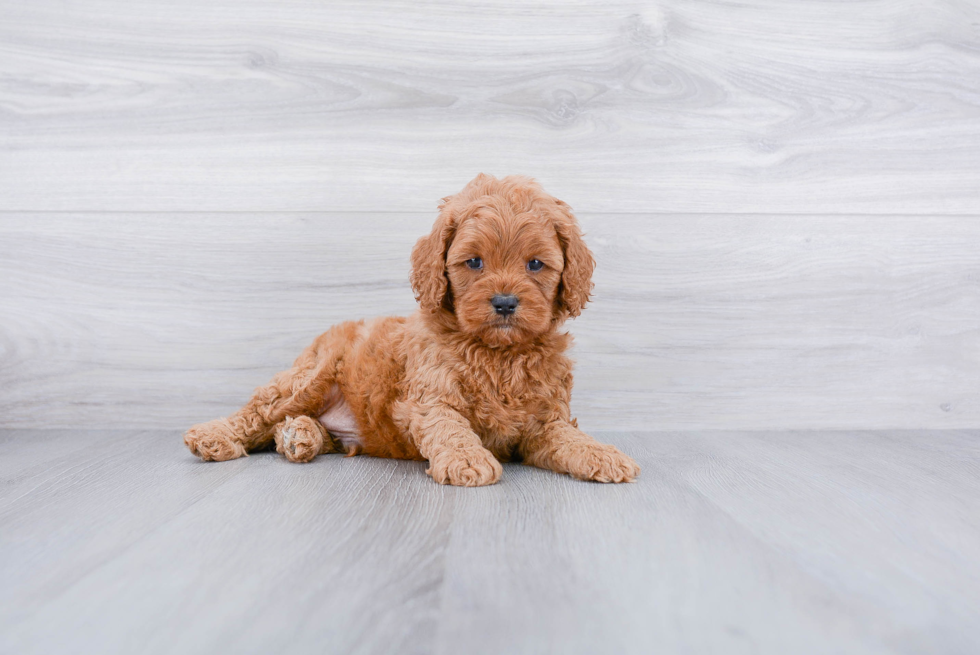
(476, 263)
(535, 265)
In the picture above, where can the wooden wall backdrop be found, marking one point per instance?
(783, 197)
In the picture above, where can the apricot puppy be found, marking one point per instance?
(477, 376)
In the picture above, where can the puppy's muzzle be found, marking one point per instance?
(504, 304)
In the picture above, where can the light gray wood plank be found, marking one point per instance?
(730, 541)
(759, 106)
(24, 450)
(77, 508)
(699, 321)
(890, 519)
(144, 548)
(870, 499)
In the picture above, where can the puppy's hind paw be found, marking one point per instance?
(299, 438)
(214, 441)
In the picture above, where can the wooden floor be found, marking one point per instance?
(730, 542)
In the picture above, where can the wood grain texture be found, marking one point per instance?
(699, 321)
(761, 542)
(675, 106)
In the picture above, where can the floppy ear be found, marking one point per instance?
(428, 277)
(576, 277)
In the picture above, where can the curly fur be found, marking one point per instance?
(455, 383)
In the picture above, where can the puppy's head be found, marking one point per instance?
(506, 259)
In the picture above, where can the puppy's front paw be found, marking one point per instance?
(472, 467)
(299, 438)
(602, 463)
(214, 441)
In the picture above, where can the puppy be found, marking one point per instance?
(477, 376)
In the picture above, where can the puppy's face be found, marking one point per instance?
(504, 271)
(506, 259)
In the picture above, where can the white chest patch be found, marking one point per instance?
(339, 420)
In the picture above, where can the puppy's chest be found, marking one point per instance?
(505, 399)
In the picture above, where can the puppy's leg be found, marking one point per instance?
(301, 438)
(295, 392)
(562, 447)
(456, 455)
(250, 428)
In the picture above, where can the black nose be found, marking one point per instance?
(505, 305)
